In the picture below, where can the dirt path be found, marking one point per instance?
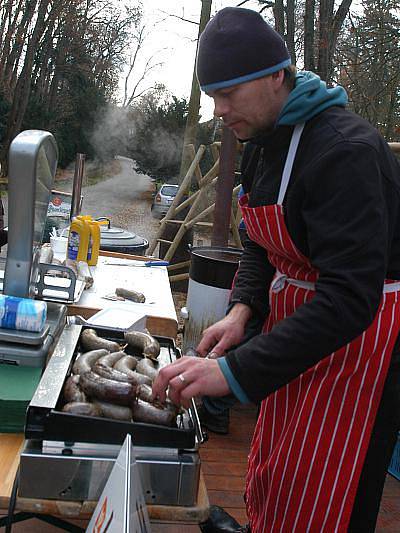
(125, 199)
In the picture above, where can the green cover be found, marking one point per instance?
(17, 386)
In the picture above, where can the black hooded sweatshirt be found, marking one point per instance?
(342, 211)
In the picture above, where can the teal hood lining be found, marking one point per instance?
(309, 97)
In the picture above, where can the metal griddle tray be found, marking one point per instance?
(46, 421)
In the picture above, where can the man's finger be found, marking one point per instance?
(168, 373)
(205, 345)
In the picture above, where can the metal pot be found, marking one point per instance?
(211, 274)
(113, 239)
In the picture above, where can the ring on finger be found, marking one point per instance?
(212, 355)
(182, 378)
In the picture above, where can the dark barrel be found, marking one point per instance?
(214, 266)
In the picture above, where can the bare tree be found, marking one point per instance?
(369, 50)
(134, 78)
(50, 49)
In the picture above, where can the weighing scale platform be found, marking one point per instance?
(27, 349)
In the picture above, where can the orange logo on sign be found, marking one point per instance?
(101, 518)
(56, 201)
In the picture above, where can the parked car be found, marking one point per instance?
(163, 199)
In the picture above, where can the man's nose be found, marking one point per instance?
(220, 108)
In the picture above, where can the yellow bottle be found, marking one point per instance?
(94, 242)
(78, 240)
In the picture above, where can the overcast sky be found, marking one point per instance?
(174, 41)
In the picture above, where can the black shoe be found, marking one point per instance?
(216, 423)
(220, 521)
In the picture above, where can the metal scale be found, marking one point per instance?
(33, 159)
(68, 457)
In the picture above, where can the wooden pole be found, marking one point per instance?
(194, 101)
(223, 199)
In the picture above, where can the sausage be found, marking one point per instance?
(72, 391)
(147, 344)
(139, 379)
(144, 392)
(85, 361)
(117, 412)
(146, 367)
(110, 359)
(82, 408)
(126, 364)
(104, 368)
(134, 296)
(91, 341)
(109, 373)
(150, 414)
(109, 390)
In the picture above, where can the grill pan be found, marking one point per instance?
(46, 421)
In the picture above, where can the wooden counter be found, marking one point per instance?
(121, 270)
(10, 448)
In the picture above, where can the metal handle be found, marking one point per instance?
(105, 218)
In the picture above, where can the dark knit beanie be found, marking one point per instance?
(237, 46)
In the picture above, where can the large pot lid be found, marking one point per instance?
(114, 236)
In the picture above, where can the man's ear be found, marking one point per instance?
(278, 78)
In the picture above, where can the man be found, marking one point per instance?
(321, 267)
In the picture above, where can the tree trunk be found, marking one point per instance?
(290, 25)
(309, 15)
(194, 102)
(279, 16)
(11, 58)
(325, 22)
(23, 86)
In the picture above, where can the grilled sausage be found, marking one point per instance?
(146, 367)
(91, 341)
(85, 361)
(117, 412)
(109, 390)
(82, 408)
(72, 391)
(144, 392)
(103, 367)
(144, 342)
(150, 414)
(110, 359)
(134, 296)
(126, 364)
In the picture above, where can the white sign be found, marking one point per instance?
(59, 205)
(121, 507)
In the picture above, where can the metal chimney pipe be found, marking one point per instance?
(224, 188)
(76, 202)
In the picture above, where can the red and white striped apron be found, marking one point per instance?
(312, 435)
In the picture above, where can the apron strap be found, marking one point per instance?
(294, 143)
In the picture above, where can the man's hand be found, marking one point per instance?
(189, 377)
(226, 333)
